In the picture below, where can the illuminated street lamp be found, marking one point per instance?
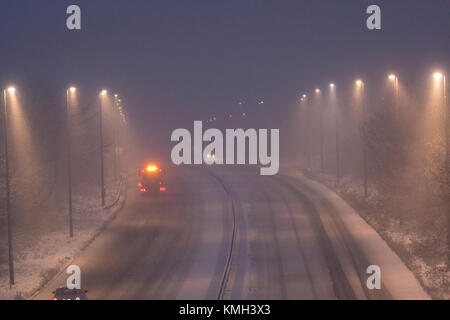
(318, 92)
(69, 93)
(438, 76)
(103, 94)
(115, 136)
(394, 79)
(334, 103)
(306, 126)
(11, 91)
(360, 84)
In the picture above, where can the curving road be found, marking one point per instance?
(233, 234)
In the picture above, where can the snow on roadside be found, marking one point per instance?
(38, 263)
(432, 277)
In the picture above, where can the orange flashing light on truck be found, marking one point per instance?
(152, 179)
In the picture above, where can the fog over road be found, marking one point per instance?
(233, 234)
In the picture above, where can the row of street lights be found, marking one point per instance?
(70, 95)
(361, 86)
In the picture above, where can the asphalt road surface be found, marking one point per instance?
(232, 234)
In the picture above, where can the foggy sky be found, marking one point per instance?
(178, 61)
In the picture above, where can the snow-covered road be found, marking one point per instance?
(291, 238)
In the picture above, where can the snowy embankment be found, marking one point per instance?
(402, 240)
(396, 277)
(40, 262)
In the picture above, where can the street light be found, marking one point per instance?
(115, 136)
(320, 129)
(102, 168)
(306, 126)
(69, 92)
(392, 77)
(334, 103)
(11, 91)
(360, 84)
(438, 76)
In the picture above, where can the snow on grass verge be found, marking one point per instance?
(40, 262)
(419, 252)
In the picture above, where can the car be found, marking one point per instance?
(70, 294)
(152, 180)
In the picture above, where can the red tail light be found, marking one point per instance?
(143, 190)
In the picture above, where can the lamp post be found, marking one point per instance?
(114, 118)
(392, 77)
(11, 91)
(306, 143)
(360, 85)
(318, 93)
(438, 77)
(334, 103)
(120, 131)
(307, 127)
(102, 169)
(69, 92)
